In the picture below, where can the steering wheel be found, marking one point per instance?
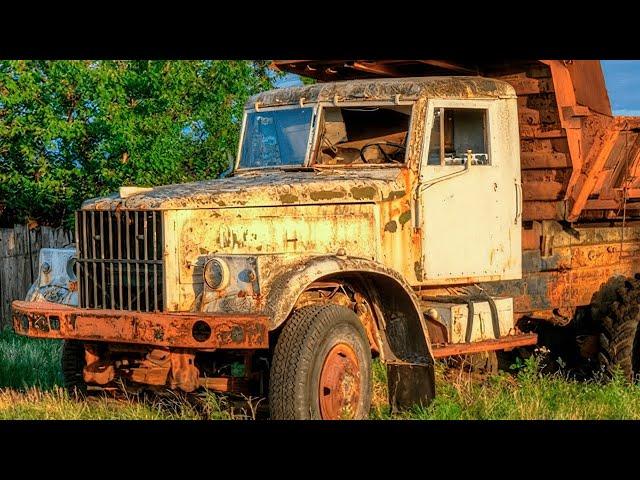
(387, 158)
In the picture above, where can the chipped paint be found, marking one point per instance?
(394, 196)
(263, 189)
(404, 217)
(287, 198)
(391, 226)
(326, 195)
(363, 193)
(417, 268)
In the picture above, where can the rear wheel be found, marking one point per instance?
(321, 366)
(73, 363)
(616, 308)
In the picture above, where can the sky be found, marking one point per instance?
(623, 83)
(621, 76)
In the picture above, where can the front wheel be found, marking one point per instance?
(321, 366)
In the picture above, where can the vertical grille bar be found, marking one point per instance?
(92, 235)
(118, 220)
(85, 256)
(161, 293)
(127, 234)
(103, 285)
(137, 247)
(146, 258)
(155, 265)
(95, 256)
(78, 265)
(112, 264)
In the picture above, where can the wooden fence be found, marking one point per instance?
(19, 249)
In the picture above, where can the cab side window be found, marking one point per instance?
(458, 134)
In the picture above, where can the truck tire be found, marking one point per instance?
(616, 308)
(321, 367)
(72, 365)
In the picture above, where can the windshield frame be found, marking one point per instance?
(310, 141)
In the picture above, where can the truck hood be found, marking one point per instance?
(266, 188)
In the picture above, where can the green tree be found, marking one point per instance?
(72, 130)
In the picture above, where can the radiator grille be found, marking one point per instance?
(120, 263)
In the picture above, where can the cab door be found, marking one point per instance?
(470, 194)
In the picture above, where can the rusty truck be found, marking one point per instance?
(399, 210)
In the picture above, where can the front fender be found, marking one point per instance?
(287, 287)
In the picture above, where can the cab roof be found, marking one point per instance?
(386, 89)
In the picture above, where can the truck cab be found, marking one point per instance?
(356, 222)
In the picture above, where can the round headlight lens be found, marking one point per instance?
(216, 274)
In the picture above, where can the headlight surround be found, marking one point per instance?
(216, 274)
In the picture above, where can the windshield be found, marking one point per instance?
(276, 137)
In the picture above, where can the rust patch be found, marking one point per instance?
(160, 329)
(339, 386)
(391, 226)
(417, 267)
(503, 343)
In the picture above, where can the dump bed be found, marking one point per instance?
(579, 162)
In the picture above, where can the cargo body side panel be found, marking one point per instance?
(569, 267)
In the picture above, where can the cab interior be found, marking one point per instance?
(363, 135)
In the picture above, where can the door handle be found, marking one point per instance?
(518, 201)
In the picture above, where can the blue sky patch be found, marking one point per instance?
(623, 83)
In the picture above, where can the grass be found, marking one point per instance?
(30, 388)
(525, 395)
(27, 362)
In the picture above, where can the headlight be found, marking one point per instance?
(216, 274)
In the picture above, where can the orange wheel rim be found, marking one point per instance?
(339, 389)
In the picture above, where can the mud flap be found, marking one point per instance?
(410, 384)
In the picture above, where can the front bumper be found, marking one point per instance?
(179, 330)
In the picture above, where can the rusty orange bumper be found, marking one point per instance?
(180, 330)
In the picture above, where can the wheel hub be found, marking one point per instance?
(339, 389)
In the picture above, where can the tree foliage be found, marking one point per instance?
(72, 130)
